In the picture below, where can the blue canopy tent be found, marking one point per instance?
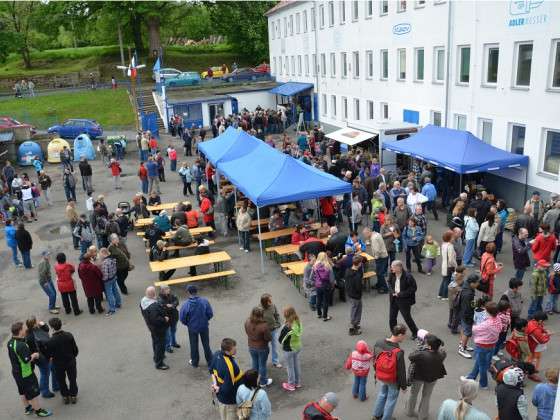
(267, 176)
(291, 88)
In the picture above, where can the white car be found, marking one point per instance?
(168, 73)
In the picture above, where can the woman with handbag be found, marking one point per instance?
(448, 264)
(252, 400)
(488, 270)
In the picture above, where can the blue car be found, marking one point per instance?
(70, 129)
(189, 78)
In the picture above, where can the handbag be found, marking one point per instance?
(246, 407)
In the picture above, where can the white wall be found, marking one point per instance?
(251, 100)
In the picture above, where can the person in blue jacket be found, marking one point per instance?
(226, 378)
(11, 242)
(153, 175)
(37, 164)
(412, 237)
(196, 313)
(161, 222)
(353, 241)
(429, 190)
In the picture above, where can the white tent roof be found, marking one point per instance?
(350, 136)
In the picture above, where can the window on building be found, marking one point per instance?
(439, 64)
(383, 7)
(356, 109)
(356, 63)
(384, 64)
(555, 71)
(419, 64)
(323, 65)
(369, 8)
(274, 65)
(355, 10)
(464, 64)
(524, 58)
(419, 3)
(285, 27)
(517, 136)
(401, 64)
(551, 159)
(369, 110)
(491, 57)
(280, 68)
(460, 122)
(272, 34)
(287, 65)
(306, 65)
(321, 16)
(291, 26)
(344, 108)
(342, 14)
(304, 21)
(333, 65)
(369, 64)
(298, 23)
(293, 62)
(485, 130)
(333, 106)
(401, 6)
(343, 65)
(313, 16)
(331, 13)
(299, 66)
(314, 63)
(436, 118)
(324, 104)
(384, 110)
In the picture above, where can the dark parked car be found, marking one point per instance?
(72, 128)
(243, 74)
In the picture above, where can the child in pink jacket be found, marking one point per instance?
(359, 362)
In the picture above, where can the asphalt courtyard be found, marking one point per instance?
(116, 376)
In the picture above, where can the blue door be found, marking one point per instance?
(149, 122)
(305, 102)
(234, 106)
(315, 107)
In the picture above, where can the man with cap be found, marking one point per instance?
(322, 409)
(154, 316)
(195, 313)
(45, 281)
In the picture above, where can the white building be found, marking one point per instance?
(490, 67)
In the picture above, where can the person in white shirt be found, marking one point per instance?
(414, 198)
(27, 199)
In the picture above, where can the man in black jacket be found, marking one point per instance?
(354, 280)
(336, 242)
(466, 313)
(402, 295)
(157, 322)
(62, 350)
(86, 173)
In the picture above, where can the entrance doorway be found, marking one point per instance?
(216, 110)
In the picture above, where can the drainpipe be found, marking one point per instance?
(316, 65)
(448, 62)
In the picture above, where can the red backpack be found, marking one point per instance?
(512, 347)
(386, 366)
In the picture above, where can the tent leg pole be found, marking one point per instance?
(526, 186)
(260, 240)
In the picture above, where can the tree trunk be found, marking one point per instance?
(153, 23)
(137, 33)
(26, 56)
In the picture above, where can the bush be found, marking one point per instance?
(197, 49)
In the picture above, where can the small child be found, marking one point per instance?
(359, 361)
(430, 251)
(539, 283)
(554, 290)
(537, 336)
(454, 289)
(480, 313)
(544, 395)
(522, 351)
(504, 315)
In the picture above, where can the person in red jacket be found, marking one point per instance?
(328, 210)
(359, 361)
(65, 284)
(537, 337)
(299, 235)
(544, 244)
(153, 145)
(92, 282)
(143, 175)
(209, 171)
(322, 409)
(207, 209)
(116, 170)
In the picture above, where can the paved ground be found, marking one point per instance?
(115, 373)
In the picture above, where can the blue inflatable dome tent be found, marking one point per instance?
(83, 147)
(27, 151)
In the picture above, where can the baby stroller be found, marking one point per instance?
(126, 209)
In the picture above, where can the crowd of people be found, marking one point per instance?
(386, 216)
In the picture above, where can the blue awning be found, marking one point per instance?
(291, 88)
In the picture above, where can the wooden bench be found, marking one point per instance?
(210, 276)
(177, 247)
(216, 258)
(274, 234)
(194, 232)
(163, 206)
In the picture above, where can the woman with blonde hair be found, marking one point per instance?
(323, 277)
(462, 409)
(290, 338)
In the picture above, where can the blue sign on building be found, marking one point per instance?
(402, 28)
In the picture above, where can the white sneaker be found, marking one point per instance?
(463, 378)
(495, 358)
(469, 348)
(246, 250)
(268, 383)
(241, 248)
(464, 353)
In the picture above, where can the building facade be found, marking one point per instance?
(489, 67)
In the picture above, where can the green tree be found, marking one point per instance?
(18, 17)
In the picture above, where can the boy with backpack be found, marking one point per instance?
(554, 290)
(390, 370)
(466, 314)
(454, 293)
(539, 284)
(359, 362)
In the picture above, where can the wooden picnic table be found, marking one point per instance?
(163, 206)
(216, 258)
(194, 232)
(266, 236)
(255, 223)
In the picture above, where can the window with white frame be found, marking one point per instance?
(436, 118)
(306, 65)
(355, 10)
(419, 3)
(344, 108)
(369, 64)
(342, 14)
(323, 65)
(285, 27)
(384, 64)
(555, 65)
(333, 64)
(313, 16)
(272, 34)
(343, 65)
(491, 59)
(517, 138)
(485, 130)
(523, 61)
(401, 6)
(551, 155)
(356, 63)
(401, 64)
(369, 8)
(419, 64)
(464, 65)
(333, 106)
(383, 7)
(273, 65)
(460, 122)
(321, 16)
(314, 63)
(331, 13)
(298, 23)
(299, 66)
(293, 62)
(384, 106)
(356, 109)
(369, 105)
(280, 68)
(287, 65)
(304, 21)
(291, 26)
(324, 104)
(439, 64)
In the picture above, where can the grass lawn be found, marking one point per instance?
(112, 109)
